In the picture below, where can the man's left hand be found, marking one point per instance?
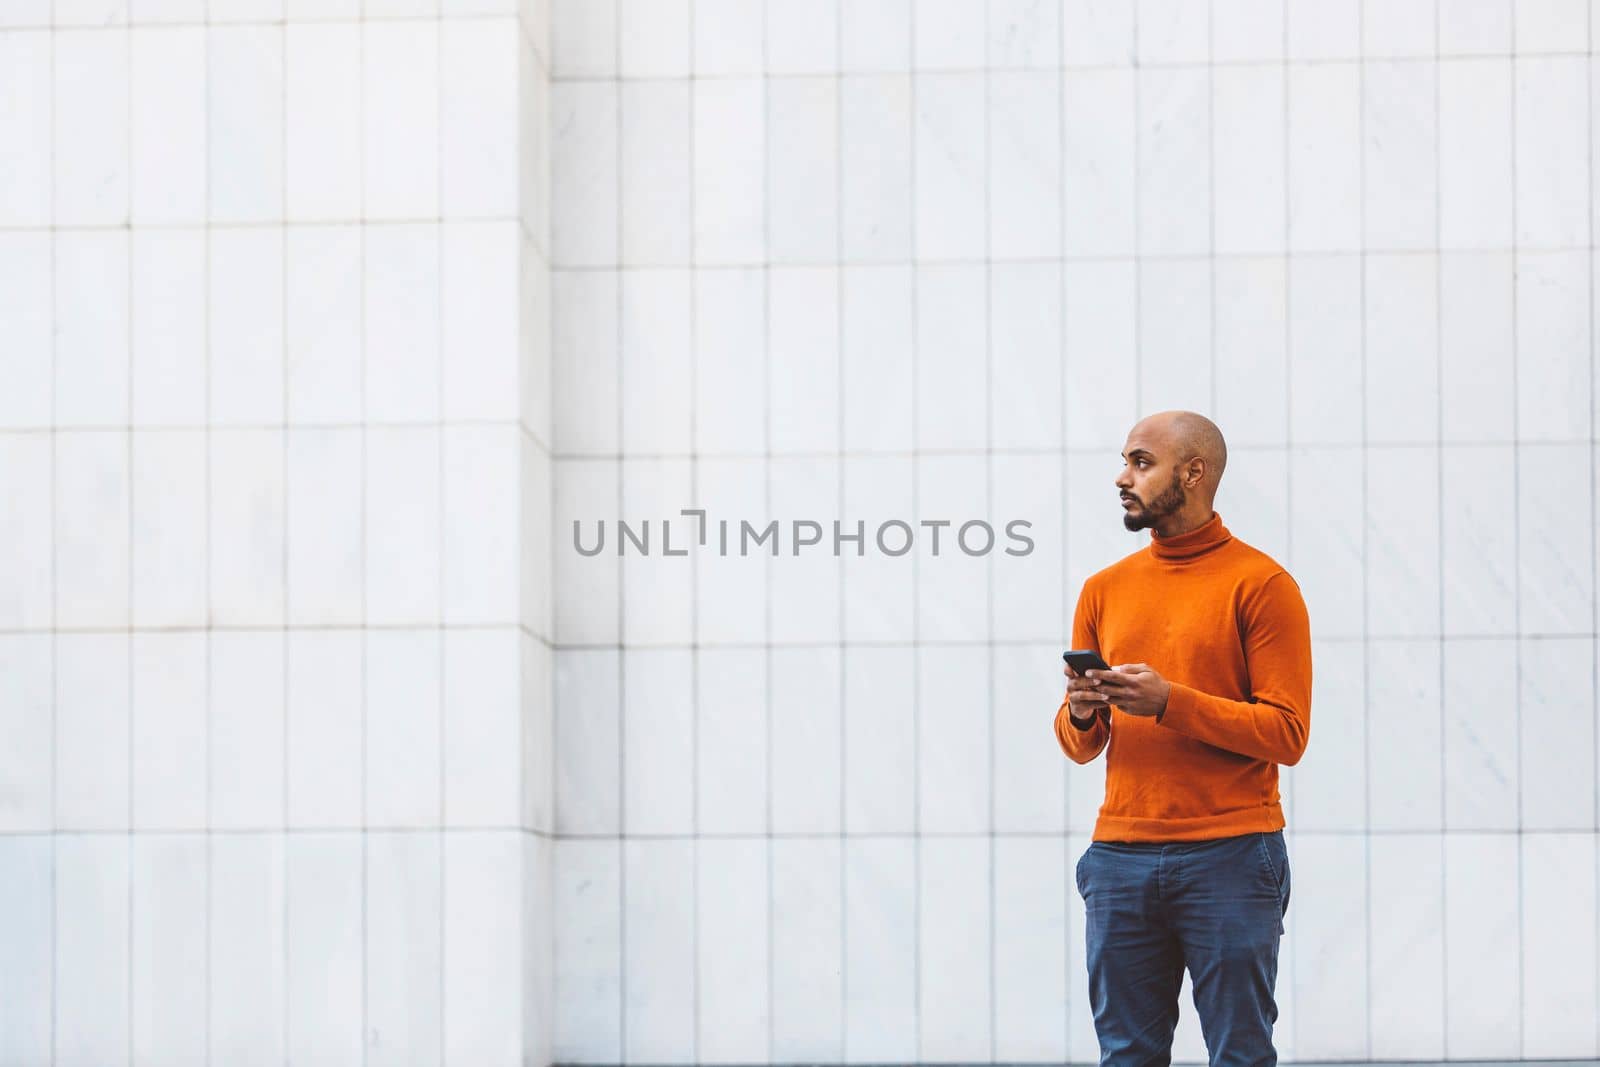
(1134, 688)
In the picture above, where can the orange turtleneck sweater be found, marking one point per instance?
(1226, 626)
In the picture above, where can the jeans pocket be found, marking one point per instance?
(1078, 871)
(1275, 858)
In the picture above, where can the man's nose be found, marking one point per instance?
(1123, 481)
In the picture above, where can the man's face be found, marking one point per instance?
(1150, 485)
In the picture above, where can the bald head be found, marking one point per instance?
(1172, 465)
(1188, 435)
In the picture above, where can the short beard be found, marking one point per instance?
(1169, 502)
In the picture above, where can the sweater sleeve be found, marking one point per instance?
(1275, 722)
(1079, 744)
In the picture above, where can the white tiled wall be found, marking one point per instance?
(926, 259)
(276, 678)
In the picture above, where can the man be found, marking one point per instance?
(1210, 690)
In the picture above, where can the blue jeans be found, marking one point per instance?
(1216, 907)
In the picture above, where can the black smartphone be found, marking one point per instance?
(1083, 659)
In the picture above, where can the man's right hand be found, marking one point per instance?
(1084, 696)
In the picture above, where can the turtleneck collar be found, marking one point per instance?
(1207, 537)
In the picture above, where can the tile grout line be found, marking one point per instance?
(210, 611)
(914, 74)
(1594, 546)
(283, 647)
(841, 497)
(622, 594)
(1516, 506)
(1366, 546)
(441, 498)
(363, 634)
(697, 1010)
(1063, 474)
(988, 488)
(1438, 356)
(129, 847)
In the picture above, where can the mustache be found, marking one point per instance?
(1128, 496)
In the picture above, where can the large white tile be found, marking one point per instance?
(89, 1002)
(91, 529)
(478, 118)
(168, 921)
(1171, 31)
(1405, 769)
(586, 361)
(1398, 27)
(1477, 350)
(954, 941)
(1097, 32)
(1482, 936)
(807, 949)
(587, 910)
(875, 165)
(952, 586)
(535, 696)
(1175, 365)
(1331, 968)
(1399, 124)
(246, 314)
(1175, 193)
(729, 167)
(26, 585)
(584, 173)
(479, 313)
(1101, 141)
(658, 953)
(803, 360)
(1325, 340)
(730, 579)
(245, 128)
(168, 328)
(245, 537)
(1555, 569)
(731, 751)
(167, 102)
(805, 734)
(1556, 719)
(1024, 164)
(1025, 355)
(1025, 562)
(89, 103)
(880, 794)
(1329, 782)
(1478, 538)
(483, 944)
(322, 121)
(401, 293)
(1096, 537)
(880, 580)
(1402, 542)
(1257, 500)
(1407, 964)
(1558, 945)
(1030, 796)
(803, 148)
(25, 133)
(951, 346)
(27, 911)
(804, 571)
(480, 512)
(878, 354)
(950, 170)
(322, 323)
(26, 306)
(1475, 27)
(1030, 948)
(880, 949)
(402, 732)
(1476, 157)
(1323, 29)
(1324, 154)
(169, 730)
(657, 578)
(1481, 772)
(947, 34)
(1247, 146)
(246, 959)
(588, 579)
(1247, 30)
(1025, 34)
(655, 389)
(91, 336)
(90, 731)
(482, 728)
(657, 741)
(953, 740)
(245, 754)
(1551, 25)
(400, 119)
(730, 364)
(259, 10)
(325, 720)
(27, 694)
(652, 38)
(1554, 374)
(403, 953)
(1552, 155)
(324, 526)
(1102, 331)
(731, 961)
(1250, 350)
(402, 525)
(655, 183)
(323, 929)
